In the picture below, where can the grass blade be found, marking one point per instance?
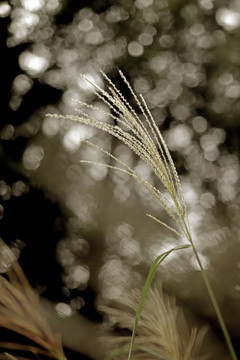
(150, 277)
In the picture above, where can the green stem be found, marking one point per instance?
(215, 305)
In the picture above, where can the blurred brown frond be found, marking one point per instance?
(162, 331)
(20, 310)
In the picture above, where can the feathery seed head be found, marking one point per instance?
(162, 332)
(142, 136)
(20, 310)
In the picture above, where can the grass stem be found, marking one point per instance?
(215, 305)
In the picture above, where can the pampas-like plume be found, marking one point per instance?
(20, 310)
(162, 332)
(146, 141)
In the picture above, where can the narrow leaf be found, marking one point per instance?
(151, 274)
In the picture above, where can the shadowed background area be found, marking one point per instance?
(80, 231)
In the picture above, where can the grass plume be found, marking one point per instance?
(145, 140)
(20, 310)
(143, 137)
(162, 332)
